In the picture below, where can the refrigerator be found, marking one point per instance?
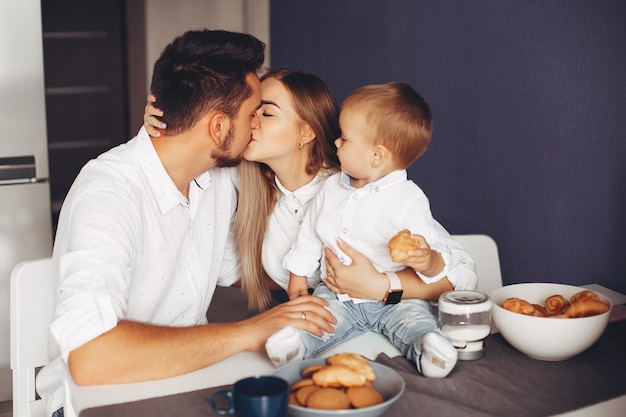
(25, 213)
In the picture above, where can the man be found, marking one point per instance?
(144, 234)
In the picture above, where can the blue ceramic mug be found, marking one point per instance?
(258, 396)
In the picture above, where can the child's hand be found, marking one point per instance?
(298, 287)
(424, 260)
(150, 121)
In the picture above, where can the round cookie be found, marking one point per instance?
(310, 370)
(302, 395)
(328, 399)
(365, 396)
(301, 383)
(292, 399)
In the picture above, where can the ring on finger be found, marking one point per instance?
(303, 315)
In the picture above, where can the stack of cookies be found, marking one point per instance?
(343, 382)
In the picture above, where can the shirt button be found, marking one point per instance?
(463, 260)
(376, 189)
(344, 230)
(354, 196)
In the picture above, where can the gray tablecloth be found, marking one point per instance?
(503, 383)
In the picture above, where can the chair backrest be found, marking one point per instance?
(484, 251)
(32, 304)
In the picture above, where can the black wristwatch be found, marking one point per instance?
(394, 293)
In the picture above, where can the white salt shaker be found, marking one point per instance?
(465, 317)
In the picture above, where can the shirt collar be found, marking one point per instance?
(307, 191)
(162, 186)
(393, 178)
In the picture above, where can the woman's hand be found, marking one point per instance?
(150, 121)
(359, 279)
(362, 280)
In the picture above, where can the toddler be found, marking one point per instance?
(384, 129)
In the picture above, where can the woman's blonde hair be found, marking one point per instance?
(397, 117)
(258, 192)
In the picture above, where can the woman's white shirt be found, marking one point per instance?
(284, 225)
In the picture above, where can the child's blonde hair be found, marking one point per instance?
(398, 118)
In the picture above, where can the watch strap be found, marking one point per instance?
(394, 281)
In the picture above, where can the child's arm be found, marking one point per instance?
(298, 286)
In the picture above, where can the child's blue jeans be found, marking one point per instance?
(404, 324)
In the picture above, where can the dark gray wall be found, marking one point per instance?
(529, 102)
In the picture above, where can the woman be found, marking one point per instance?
(290, 155)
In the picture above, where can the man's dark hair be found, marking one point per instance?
(204, 70)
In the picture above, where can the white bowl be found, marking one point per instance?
(546, 338)
(388, 383)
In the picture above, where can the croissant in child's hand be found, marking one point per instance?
(400, 244)
(586, 307)
(555, 304)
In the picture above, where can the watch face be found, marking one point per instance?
(394, 297)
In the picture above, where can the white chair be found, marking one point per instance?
(32, 304)
(484, 251)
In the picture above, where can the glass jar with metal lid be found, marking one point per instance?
(465, 317)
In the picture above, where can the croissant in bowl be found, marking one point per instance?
(517, 305)
(555, 304)
(585, 307)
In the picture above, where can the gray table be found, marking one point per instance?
(504, 383)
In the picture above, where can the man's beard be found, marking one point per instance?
(221, 154)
